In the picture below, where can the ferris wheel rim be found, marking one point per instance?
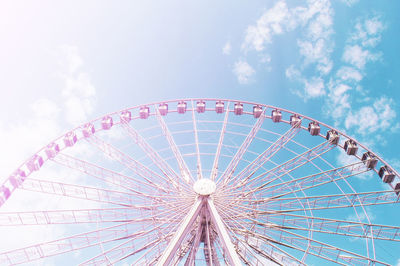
(79, 127)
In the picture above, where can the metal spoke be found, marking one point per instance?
(196, 140)
(288, 166)
(167, 171)
(330, 201)
(183, 169)
(183, 229)
(132, 184)
(330, 226)
(52, 248)
(74, 216)
(230, 169)
(81, 192)
(147, 174)
(267, 154)
(220, 141)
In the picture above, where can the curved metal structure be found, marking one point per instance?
(202, 181)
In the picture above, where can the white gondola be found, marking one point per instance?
(369, 160)
(219, 107)
(397, 188)
(295, 121)
(106, 122)
(276, 115)
(257, 111)
(163, 109)
(70, 139)
(350, 146)
(238, 109)
(144, 112)
(182, 107)
(125, 116)
(333, 137)
(52, 149)
(201, 107)
(35, 163)
(386, 174)
(88, 130)
(314, 128)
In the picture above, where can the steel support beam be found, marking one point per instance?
(229, 249)
(181, 233)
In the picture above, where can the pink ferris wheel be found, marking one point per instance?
(201, 182)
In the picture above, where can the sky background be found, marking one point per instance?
(65, 63)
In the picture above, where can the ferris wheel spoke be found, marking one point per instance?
(182, 231)
(311, 181)
(73, 216)
(195, 246)
(214, 170)
(241, 229)
(266, 155)
(226, 242)
(249, 252)
(129, 183)
(81, 192)
(144, 172)
(332, 226)
(183, 169)
(331, 201)
(230, 169)
(270, 250)
(268, 240)
(320, 248)
(285, 168)
(167, 171)
(121, 252)
(68, 244)
(196, 140)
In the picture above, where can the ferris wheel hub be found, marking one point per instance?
(204, 187)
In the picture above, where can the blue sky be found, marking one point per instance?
(104, 57)
(66, 63)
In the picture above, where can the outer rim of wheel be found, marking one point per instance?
(95, 122)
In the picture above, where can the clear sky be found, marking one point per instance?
(63, 63)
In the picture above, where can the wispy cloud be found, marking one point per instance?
(345, 89)
(74, 101)
(243, 71)
(371, 118)
(226, 50)
(79, 93)
(358, 56)
(350, 2)
(335, 81)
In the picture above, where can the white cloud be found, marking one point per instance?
(316, 52)
(243, 71)
(346, 73)
(70, 58)
(369, 119)
(350, 2)
(272, 22)
(45, 108)
(79, 93)
(357, 56)
(368, 32)
(293, 73)
(314, 87)
(280, 19)
(227, 48)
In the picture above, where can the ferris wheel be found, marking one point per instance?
(201, 182)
